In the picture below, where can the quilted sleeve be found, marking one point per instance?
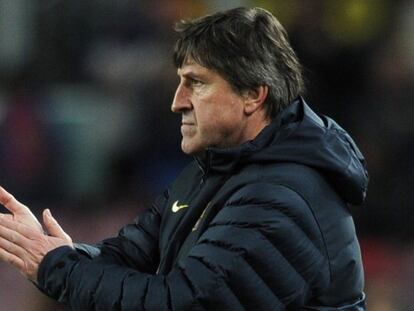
(136, 245)
(262, 251)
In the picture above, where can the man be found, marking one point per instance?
(259, 220)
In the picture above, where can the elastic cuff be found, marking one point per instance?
(54, 258)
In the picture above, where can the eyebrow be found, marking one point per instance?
(191, 75)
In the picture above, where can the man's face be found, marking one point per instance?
(212, 113)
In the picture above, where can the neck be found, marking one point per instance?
(255, 125)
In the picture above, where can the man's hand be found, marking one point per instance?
(19, 212)
(23, 242)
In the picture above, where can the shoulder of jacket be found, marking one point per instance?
(271, 196)
(294, 176)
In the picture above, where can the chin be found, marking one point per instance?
(187, 148)
(192, 149)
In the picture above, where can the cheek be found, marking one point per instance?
(219, 124)
(218, 114)
(229, 113)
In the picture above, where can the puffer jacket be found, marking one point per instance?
(263, 226)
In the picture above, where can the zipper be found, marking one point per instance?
(204, 166)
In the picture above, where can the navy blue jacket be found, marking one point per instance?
(263, 226)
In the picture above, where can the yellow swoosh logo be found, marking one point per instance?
(176, 207)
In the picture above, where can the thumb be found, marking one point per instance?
(53, 227)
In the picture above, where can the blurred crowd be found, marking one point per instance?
(86, 128)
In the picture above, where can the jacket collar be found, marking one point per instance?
(227, 160)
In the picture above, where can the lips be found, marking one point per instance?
(187, 129)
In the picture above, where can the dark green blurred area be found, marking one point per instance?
(86, 128)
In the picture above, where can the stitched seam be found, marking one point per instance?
(261, 177)
(317, 223)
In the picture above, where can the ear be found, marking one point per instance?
(255, 98)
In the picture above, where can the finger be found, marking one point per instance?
(10, 218)
(11, 248)
(53, 227)
(11, 259)
(18, 233)
(9, 202)
(6, 216)
(9, 235)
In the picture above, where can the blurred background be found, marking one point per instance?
(86, 128)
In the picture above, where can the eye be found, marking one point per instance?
(192, 82)
(195, 82)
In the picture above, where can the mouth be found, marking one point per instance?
(187, 129)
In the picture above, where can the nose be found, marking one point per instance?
(181, 100)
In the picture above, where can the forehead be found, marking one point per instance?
(192, 67)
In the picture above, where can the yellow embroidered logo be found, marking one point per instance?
(176, 207)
